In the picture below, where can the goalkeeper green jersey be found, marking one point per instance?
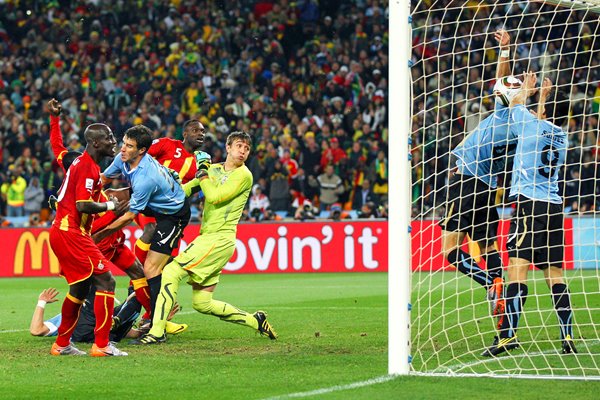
(226, 194)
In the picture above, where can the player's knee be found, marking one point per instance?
(452, 255)
(105, 282)
(148, 232)
(202, 306)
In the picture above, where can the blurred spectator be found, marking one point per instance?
(34, 197)
(379, 174)
(13, 192)
(279, 188)
(330, 186)
(363, 195)
(368, 211)
(337, 214)
(259, 202)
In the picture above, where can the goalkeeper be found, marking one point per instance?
(226, 188)
(471, 208)
(536, 231)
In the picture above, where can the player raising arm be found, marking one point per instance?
(470, 207)
(81, 262)
(226, 188)
(536, 232)
(113, 246)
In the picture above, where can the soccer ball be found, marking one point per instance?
(506, 88)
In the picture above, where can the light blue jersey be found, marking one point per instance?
(483, 152)
(52, 324)
(540, 153)
(152, 185)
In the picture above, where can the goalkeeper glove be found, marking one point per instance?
(52, 201)
(175, 175)
(202, 160)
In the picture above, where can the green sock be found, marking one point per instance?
(203, 302)
(171, 276)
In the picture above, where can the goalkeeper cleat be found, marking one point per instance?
(264, 327)
(173, 329)
(149, 338)
(69, 350)
(504, 344)
(568, 347)
(109, 351)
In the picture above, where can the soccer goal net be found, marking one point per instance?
(456, 58)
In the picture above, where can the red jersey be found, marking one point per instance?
(101, 220)
(171, 153)
(81, 183)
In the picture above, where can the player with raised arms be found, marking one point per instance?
(537, 231)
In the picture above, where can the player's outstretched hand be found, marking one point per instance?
(54, 107)
(202, 160)
(529, 83)
(48, 295)
(503, 38)
(546, 87)
(121, 207)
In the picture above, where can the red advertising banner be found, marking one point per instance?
(260, 248)
(427, 245)
(353, 246)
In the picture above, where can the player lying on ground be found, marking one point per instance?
(123, 326)
(536, 232)
(226, 188)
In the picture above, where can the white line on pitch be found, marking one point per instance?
(337, 388)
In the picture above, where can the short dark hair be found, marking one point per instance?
(142, 136)
(557, 107)
(187, 123)
(239, 135)
(68, 158)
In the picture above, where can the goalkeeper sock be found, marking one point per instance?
(70, 314)
(103, 309)
(516, 296)
(467, 265)
(562, 305)
(203, 302)
(141, 250)
(494, 265)
(171, 276)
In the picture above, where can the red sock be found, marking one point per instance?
(70, 314)
(141, 250)
(142, 292)
(103, 309)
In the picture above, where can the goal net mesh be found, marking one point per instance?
(453, 72)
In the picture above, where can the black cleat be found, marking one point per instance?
(149, 338)
(263, 325)
(500, 346)
(568, 347)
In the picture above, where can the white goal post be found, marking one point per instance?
(443, 58)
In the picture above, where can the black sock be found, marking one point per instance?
(465, 264)
(516, 296)
(154, 285)
(493, 262)
(562, 305)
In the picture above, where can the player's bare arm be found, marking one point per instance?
(93, 207)
(119, 223)
(528, 89)
(503, 39)
(544, 93)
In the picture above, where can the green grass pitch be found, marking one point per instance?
(332, 345)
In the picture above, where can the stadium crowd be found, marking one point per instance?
(307, 80)
(453, 76)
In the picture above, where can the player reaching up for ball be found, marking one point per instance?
(470, 207)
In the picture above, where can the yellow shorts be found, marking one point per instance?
(205, 257)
